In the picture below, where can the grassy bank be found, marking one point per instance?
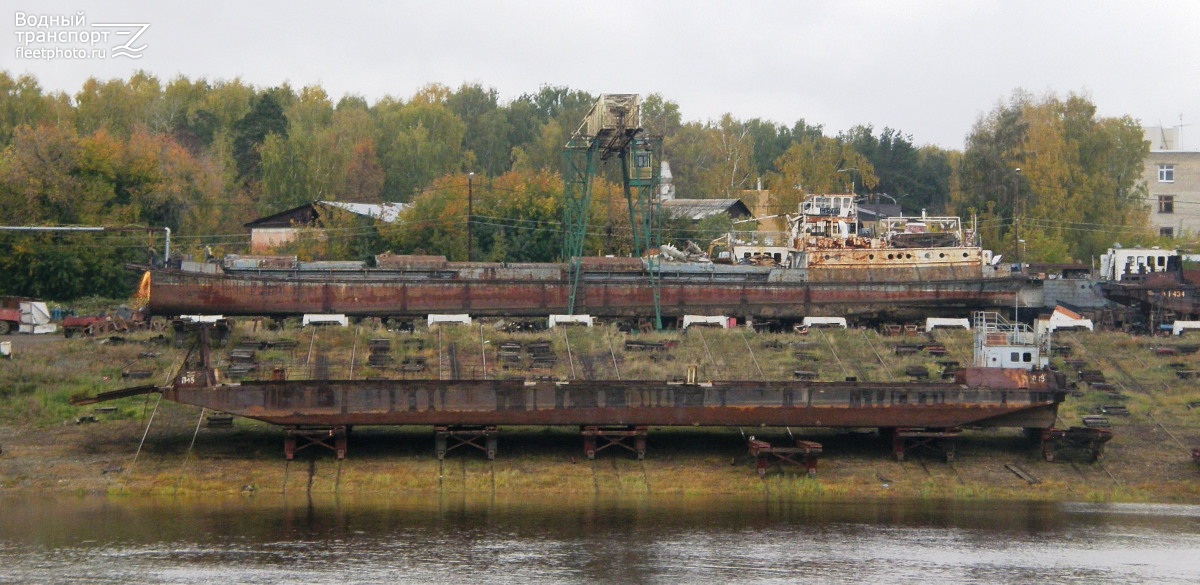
(45, 450)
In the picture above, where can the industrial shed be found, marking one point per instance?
(281, 228)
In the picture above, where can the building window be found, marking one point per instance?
(1166, 232)
(1166, 204)
(1166, 173)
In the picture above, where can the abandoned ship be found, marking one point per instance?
(822, 265)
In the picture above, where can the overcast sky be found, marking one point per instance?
(929, 69)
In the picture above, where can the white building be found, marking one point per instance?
(1172, 175)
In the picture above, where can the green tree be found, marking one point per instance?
(419, 141)
(487, 127)
(917, 178)
(660, 117)
(21, 103)
(119, 106)
(264, 119)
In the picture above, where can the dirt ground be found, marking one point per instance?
(1140, 464)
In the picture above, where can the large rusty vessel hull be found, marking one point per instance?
(719, 404)
(614, 291)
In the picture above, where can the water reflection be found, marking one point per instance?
(555, 539)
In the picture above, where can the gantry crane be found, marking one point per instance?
(612, 129)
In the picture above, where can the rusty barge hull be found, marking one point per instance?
(539, 290)
(332, 403)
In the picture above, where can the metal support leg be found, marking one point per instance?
(449, 438)
(941, 441)
(299, 438)
(596, 439)
(805, 455)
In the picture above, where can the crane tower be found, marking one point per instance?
(612, 129)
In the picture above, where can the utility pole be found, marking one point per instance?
(1017, 214)
(470, 212)
(850, 171)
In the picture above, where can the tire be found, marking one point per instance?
(5, 327)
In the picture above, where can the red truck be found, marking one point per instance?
(10, 320)
(10, 314)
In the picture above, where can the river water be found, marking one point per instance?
(552, 539)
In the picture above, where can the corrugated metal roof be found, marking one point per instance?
(697, 209)
(307, 214)
(387, 212)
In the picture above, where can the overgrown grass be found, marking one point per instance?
(36, 384)
(43, 374)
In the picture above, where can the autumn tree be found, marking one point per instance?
(817, 166)
(119, 106)
(435, 223)
(1079, 188)
(52, 176)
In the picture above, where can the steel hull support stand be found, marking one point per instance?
(1089, 441)
(596, 439)
(805, 455)
(299, 438)
(940, 441)
(447, 438)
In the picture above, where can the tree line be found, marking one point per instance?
(204, 157)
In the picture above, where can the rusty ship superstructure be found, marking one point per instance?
(826, 242)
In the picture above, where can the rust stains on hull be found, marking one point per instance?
(487, 402)
(609, 294)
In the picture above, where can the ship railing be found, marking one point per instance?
(930, 223)
(993, 329)
(748, 238)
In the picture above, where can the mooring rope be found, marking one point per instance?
(570, 359)
(612, 352)
(707, 352)
(752, 358)
(188, 456)
(308, 360)
(833, 350)
(887, 371)
(354, 350)
(140, 443)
